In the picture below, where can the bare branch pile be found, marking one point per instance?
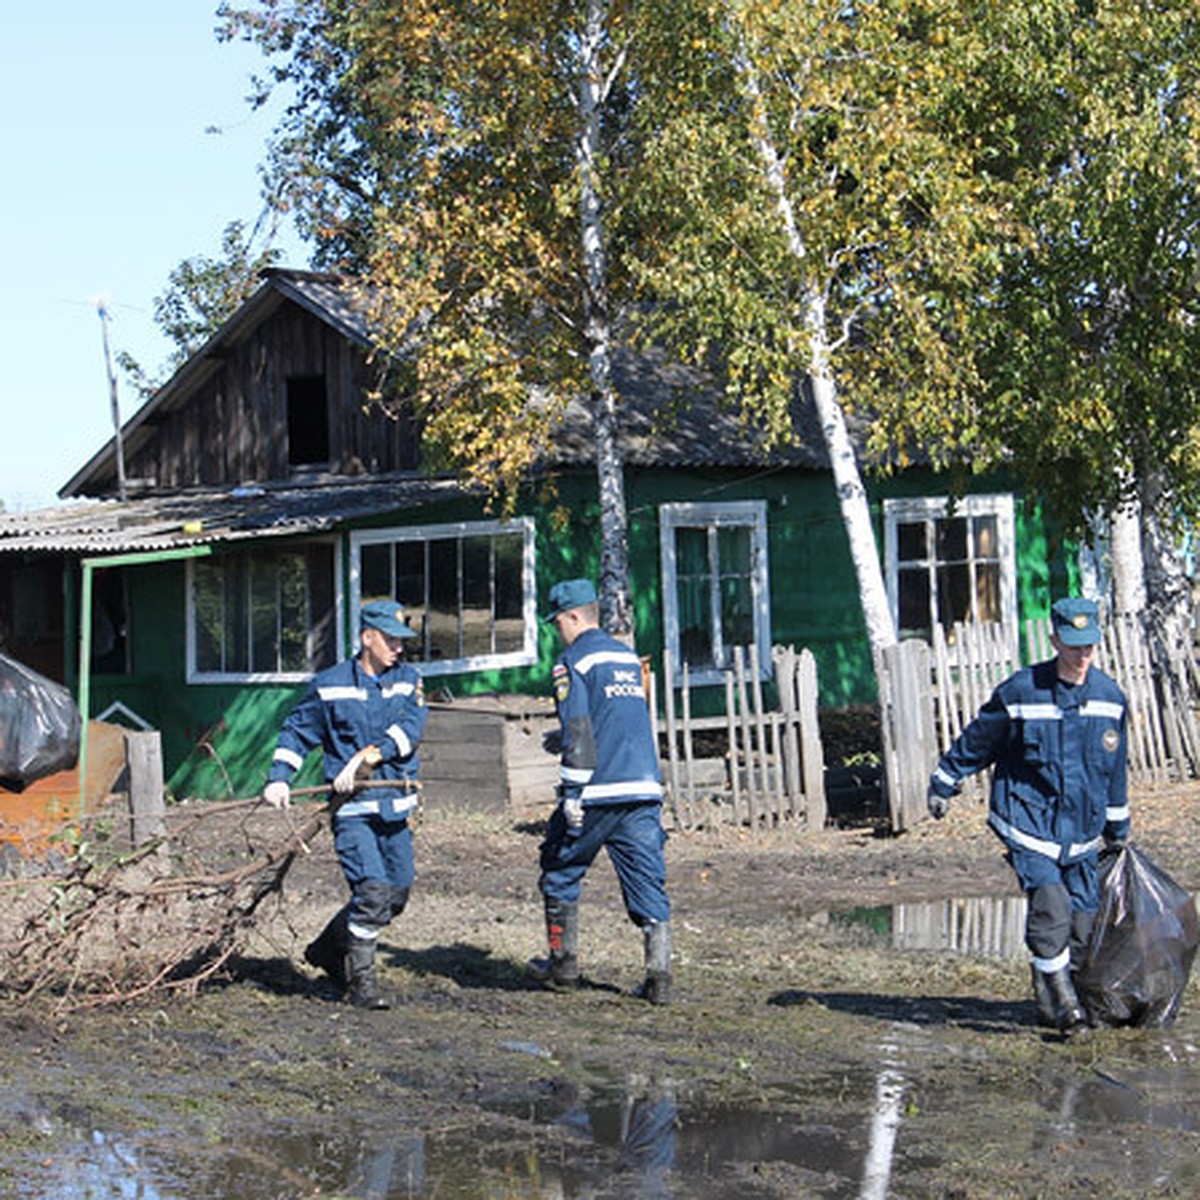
(168, 915)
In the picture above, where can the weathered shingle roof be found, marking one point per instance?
(196, 517)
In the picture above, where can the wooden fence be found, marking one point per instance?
(929, 693)
(750, 766)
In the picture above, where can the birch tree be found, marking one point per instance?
(1091, 332)
(823, 225)
(496, 265)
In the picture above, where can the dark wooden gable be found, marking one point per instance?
(235, 426)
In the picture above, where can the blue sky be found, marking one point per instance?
(111, 180)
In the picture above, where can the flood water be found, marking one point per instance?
(845, 1136)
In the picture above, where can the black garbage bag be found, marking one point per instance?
(39, 725)
(1142, 945)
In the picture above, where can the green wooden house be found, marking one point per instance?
(264, 499)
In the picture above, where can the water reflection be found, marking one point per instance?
(985, 926)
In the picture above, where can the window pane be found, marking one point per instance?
(691, 552)
(954, 594)
(734, 555)
(733, 550)
(295, 614)
(477, 595)
(442, 616)
(375, 571)
(236, 615)
(264, 615)
(694, 585)
(987, 592)
(986, 541)
(410, 591)
(207, 603)
(912, 540)
(951, 539)
(695, 634)
(913, 600)
(510, 593)
(266, 612)
(737, 614)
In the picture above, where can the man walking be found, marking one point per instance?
(367, 714)
(610, 794)
(1056, 735)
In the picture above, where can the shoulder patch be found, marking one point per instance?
(1112, 739)
(562, 682)
(419, 693)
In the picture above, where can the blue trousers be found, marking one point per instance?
(377, 861)
(634, 838)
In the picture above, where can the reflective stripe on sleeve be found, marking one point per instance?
(288, 757)
(1116, 815)
(401, 739)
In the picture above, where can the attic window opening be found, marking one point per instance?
(307, 421)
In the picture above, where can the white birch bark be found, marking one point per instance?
(1125, 560)
(616, 615)
(851, 494)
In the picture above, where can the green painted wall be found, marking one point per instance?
(218, 739)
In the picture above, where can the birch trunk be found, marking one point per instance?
(852, 495)
(1125, 551)
(615, 610)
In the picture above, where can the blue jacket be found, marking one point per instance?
(1060, 754)
(345, 709)
(609, 754)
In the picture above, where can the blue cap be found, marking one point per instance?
(1076, 621)
(570, 593)
(387, 616)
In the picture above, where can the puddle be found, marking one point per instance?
(841, 1137)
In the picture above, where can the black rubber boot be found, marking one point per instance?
(656, 987)
(1069, 1014)
(360, 967)
(1045, 1002)
(327, 951)
(560, 970)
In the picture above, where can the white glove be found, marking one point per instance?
(347, 778)
(572, 807)
(938, 806)
(277, 794)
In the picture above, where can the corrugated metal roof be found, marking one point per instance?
(196, 517)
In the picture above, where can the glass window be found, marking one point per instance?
(950, 563)
(714, 566)
(266, 614)
(468, 590)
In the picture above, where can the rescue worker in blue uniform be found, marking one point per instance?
(610, 794)
(367, 714)
(1055, 733)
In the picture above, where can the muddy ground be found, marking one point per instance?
(805, 1053)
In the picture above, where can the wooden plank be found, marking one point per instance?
(812, 756)
(682, 812)
(735, 766)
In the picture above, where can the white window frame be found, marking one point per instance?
(903, 510)
(751, 514)
(525, 526)
(193, 675)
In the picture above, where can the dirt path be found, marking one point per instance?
(795, 1038)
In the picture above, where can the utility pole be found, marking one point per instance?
(112, 396)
